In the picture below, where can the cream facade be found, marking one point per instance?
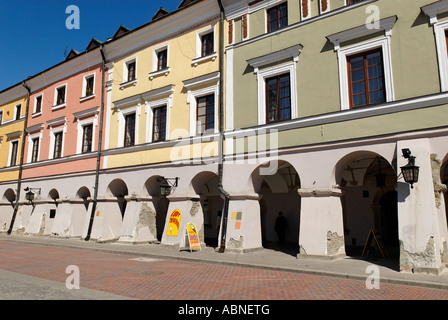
(162, 121)
(13, 103)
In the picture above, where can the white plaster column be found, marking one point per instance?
(418, 217)
(191, 212)
(321, 224)
(107, 221)
(243, 224)
(139, 223)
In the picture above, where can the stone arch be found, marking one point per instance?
(204, 185)
(118, 189)
(444, 180)
(157, 212)
(277, 183)
(368, 182)
(84, 194)
(9, 195)
(53, 194)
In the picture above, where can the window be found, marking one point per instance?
(366, 79)
(129, 130)
(1, 117)
(52, 213)
(14, 152)
(89, 82)
(159, 125)
(131, 71)
(162, 60)
(376, 84)
(60, 95)
(206, 113)
(207, 44)
(35, 150)
(18, 111)
(277, 17)
(38, 104)
(57, 145)
(278, 98)
(87, 138)
(353, 1)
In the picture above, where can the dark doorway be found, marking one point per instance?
(389, 222)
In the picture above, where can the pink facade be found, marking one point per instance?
(63, 125)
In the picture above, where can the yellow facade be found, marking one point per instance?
(11, 130)
(177, 86)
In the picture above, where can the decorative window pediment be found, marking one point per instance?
(291, 52)
(385, 25)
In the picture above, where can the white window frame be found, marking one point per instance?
(309, 10)
(62, 105)
(195, 91)
(126, 72)
(242, 27)
(432, 10)
(442, 53)
(199, 58)
(1, 117)
(167, 100)
(31, 137)
(35, 113)
(383, 43)
(122, 113)
(15, 112)
(155, 61)
(85, 118)
(291, 68)
(56, 126)
(84, 86)
(150, 117)
(10, 151)
(328, 7)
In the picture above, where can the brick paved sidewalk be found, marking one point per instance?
(166, 279)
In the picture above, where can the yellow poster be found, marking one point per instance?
(173, 223)
(193, 236)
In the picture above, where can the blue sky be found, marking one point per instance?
(35, 37)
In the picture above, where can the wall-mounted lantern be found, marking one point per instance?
(167, 185)
(410, 171)
(30, 193)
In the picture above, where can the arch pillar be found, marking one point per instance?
(321, 224)
(191, 212)
(243, 223)
(421, 220)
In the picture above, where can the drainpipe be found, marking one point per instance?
(98, 156)
(19, 180)
(225, 211)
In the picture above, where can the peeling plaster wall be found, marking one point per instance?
(419, 260)
(335, 243)
(421, 232)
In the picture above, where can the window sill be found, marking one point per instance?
(59, 106)
(154, 74)
(86, 98)
(128, 84)
(35, 115)
(196, 61)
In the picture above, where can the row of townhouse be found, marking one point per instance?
(225, 113)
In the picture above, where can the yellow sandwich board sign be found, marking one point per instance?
(190, 238)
